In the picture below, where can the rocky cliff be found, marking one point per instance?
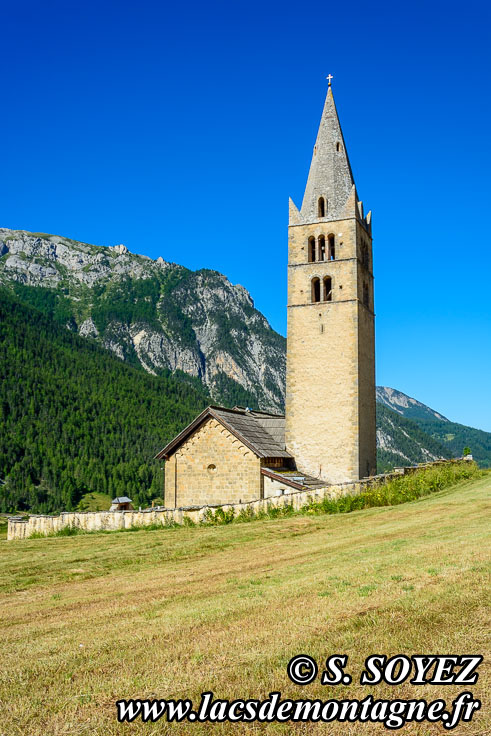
(401, 441)
(162, 317)
(405, 405)
(151, 312)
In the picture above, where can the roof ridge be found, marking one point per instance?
(249, 427)
(248, 410)
(235, 410)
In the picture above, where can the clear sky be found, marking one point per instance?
(180, 130)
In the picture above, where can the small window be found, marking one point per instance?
(364, 255)
(311, 249)
(338, 146)
(322, 248)
(365, 294)
(327, 289)
(316, 290)
(212, 469)
(332, 249)
(321, 207)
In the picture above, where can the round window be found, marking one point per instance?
(212, 469)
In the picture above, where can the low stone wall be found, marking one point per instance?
(22, 528)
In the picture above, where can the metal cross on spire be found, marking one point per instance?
(329, 77)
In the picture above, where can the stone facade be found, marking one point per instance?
(330, 432)
(212, 467)
(21, 528)
(330, 390)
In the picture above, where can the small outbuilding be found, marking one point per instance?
(121, 503)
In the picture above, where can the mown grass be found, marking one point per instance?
(170, 613)
(3, 527)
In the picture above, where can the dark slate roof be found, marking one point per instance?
(261, 432)
(122, 499)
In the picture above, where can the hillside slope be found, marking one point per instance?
(162, 317)
(453, 437)
(151, 313)
(401, 441)
(63, 428)
(74, 418)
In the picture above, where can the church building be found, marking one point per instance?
(328, 433)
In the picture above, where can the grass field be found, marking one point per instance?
(91, 619)
(3, 527)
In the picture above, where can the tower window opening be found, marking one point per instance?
(316, 290)
(311, 249)
(321, 207)
(338, 146)
(327, 289)
(365, 294)
(332, 249)
(364, 255)
(322, 248)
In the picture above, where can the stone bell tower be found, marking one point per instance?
(330, 384)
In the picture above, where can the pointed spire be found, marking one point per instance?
(330, 175)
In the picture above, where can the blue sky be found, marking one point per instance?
(181, 129)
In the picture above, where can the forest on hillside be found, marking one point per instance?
(409, 444)
(454, 437)
(75, 419)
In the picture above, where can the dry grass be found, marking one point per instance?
(91, 619)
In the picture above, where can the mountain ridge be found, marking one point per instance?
(151, 312)
(166, 320)
(405, 405)
(76, 419)
(452, 436)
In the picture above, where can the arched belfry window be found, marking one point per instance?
(327, 284)
(311, 249)
(316, 290)
(365, 295)
(364, 255)
(321, 207)
(331, 248)
(322, 248)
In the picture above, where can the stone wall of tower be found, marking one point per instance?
(366, 360)
(366, 393)
(330, 365)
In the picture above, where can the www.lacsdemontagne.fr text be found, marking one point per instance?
(394, 714)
